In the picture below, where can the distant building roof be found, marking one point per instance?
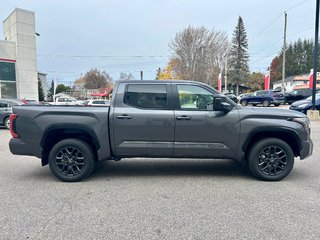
(301, 77)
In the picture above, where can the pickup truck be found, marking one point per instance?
(161, 119)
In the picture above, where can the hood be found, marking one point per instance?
(297, 103)
(270, 113)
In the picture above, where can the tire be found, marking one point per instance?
(266, 103)
(277, 104)
(254, 105)
(71, 160)
(244, 103)
(272, 166)
(7, 123)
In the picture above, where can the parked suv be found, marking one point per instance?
(297, 95)
(6, 110)
(264, 97)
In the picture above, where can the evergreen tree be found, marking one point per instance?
(51, 91)
(238, 62)
(40, 91)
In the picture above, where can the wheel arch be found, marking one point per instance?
(55, 134)
(287, 135)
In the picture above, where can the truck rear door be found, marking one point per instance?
(143, 121)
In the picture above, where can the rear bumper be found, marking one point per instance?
(18, 147)
(306, 149)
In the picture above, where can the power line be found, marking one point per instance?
(277, 18)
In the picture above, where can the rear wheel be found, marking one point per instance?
(254, 104)
(266, 103)
(271, 159)
(244, 103)
(71, 160)
(277, 104)
(7, 123)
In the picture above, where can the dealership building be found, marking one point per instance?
(18, 58)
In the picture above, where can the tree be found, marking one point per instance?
(256, 81)
(51, 91)
(95, 79)
(40, 90)
(62, 88)
(168, 73)
(197, 52)
(126, 76)
(238, 62)
(299, 60)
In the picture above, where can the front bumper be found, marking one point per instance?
(306, 149)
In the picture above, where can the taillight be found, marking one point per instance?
(13, 132)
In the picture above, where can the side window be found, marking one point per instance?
(147, 96)
(3, 104)
(195, 98)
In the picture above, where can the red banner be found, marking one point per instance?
(267, 81)
(219, 82)
(311, 79)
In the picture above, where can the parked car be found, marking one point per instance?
(30, 102)
(232, 97)
(264, 97)
(297, 95)
(171, 119)
(98, 102)
(6, 110)
(306, 104)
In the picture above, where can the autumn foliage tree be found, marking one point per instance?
(95, 79)
(256, 81)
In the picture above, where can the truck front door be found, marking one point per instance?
(143, 120)
(200, 131)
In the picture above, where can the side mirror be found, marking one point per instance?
(220, 103)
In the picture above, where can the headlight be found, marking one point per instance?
(303, 105)
(304, 122)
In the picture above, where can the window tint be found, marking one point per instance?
(3, 104)
(148, 96)
(195, 98)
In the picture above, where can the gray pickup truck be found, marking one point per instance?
(162, 119)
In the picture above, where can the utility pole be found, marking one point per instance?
(141, 75)
(226, 76)
(315, 58)
(284, 52)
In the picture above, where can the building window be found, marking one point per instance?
(8, 89)
(8, 80)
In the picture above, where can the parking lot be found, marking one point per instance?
(158, 199)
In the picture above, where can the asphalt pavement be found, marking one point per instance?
(158, 199)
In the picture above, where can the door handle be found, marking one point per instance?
(124, 116)
(183, 117)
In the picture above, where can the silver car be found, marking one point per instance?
(6, 110)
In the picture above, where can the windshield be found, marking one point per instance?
(317, 97)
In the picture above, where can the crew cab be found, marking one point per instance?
(161, 119)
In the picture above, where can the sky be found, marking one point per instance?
(132, 36)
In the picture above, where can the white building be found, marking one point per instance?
(18, 58)
(295, 82)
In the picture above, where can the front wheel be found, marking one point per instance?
(244, 103)
(277, 104)
(271, 159)
(266, 103)
(71, 160)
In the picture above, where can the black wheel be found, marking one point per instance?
(71, 160)
(271, 159)
(254, 104)
(244, 103)
(277, 104)
(7, 123)
(266, 103)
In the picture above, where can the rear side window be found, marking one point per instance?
(3, 104)
(146, 96)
